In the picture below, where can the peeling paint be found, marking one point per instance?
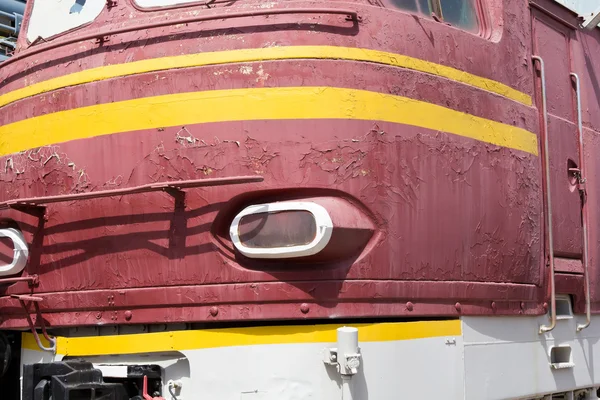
(454, 218)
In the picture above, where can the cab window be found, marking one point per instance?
(53, 17)
(459, 13)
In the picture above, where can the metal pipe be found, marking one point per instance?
(352, 14)
(550, 238)
(584, 211)
(151, 187)
(12, 16)
(52, 341)
(8, 43)
(12, 6)
(33, 279)
(346, 387)
(11, 30)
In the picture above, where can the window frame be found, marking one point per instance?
(323, 221)
(483, 28)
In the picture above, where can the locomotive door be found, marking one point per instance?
(552, 43)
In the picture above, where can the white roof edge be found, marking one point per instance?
(589, 10)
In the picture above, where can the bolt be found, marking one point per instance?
(545, 306)
(214, 311)
(99, 315)
(128, 315)
(304, 308)
(409, 306)
(494, 306)
(458, 307)
(522, 305)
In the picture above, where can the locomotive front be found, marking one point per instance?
(273, 200)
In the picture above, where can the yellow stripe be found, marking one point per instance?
(254, 104)
(213, 338)
(265, 54)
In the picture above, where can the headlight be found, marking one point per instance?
(285, 229)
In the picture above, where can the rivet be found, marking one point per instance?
(458, 307)
(99, 315)
(128, 315)
(214, 311)
(522, 305)
(304, 308)
(409, 306)
(494, 306)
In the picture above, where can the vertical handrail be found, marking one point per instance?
(586, 277)
(546, 167)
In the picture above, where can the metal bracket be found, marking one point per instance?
(346, 356)
(102, 39)
(145, 394)
(35, 300)
(349, 363)
(580, 179)
(330, 356)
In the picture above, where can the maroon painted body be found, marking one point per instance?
(448, 225)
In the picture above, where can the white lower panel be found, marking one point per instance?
(390, 370)
(496, 358)
(427, 368)
(506, 358)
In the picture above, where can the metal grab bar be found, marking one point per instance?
(351, 14)
(588, 312)
(31, 279)
(35, 300)
(546, 167)
(151, 187)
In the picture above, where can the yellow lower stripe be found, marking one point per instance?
(265, 54)
(289, 103)
(213, 338)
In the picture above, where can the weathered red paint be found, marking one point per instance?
(457, 224)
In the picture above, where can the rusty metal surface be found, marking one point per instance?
(458, 223)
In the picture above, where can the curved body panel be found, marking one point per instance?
(444, 159)
(396, 129)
